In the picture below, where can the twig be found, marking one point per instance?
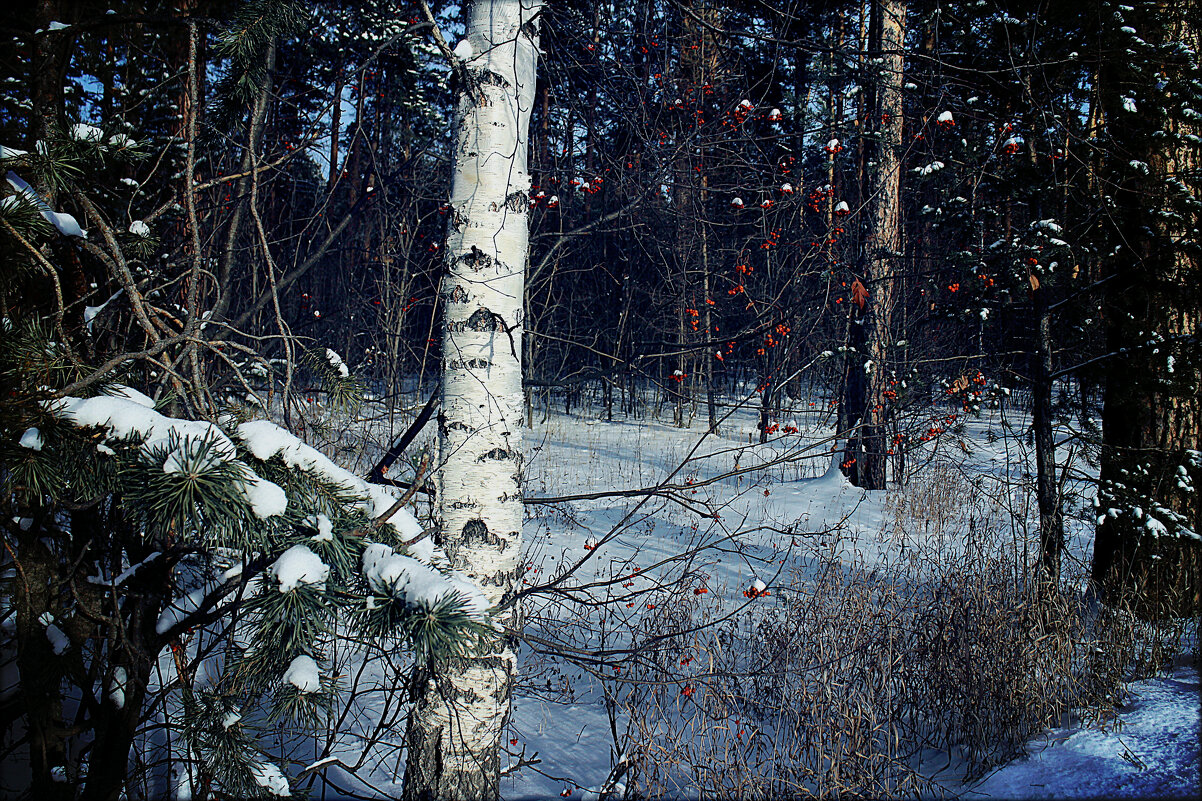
(112, 364)
(45, 264)
(404, 499)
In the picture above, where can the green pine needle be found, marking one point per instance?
(190, 488)
(436, 631)
(345, 392)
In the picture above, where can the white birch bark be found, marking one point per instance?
(460, 709)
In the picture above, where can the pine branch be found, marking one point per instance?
(52, 273)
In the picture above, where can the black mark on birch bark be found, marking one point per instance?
(490, 78)
(517, 202)
(476, 532)
(456, 295)
(482, 320)
(475, 259)
(497, 454)
(468, 364)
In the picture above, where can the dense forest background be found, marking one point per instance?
(875, 198)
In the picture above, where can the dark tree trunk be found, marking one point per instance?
(40, 669)
(707, 357)
(115, 728)
(51, 54)
(1047, 490)
(868, 447)
(1147, 551)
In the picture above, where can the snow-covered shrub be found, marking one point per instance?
(202, 568)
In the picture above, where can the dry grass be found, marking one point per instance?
(862, 679)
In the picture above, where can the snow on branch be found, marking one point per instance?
(129, 415)
(66, 224)
(406, 579)
(266, 440)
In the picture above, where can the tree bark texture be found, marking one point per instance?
(867, 454)
(461, 707)
(1047, 489)
(1147, 552)
(51, 54)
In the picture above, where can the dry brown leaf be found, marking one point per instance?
(859, 294)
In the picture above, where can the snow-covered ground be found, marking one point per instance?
(729, 516)
(724, 530)
(1150, 749)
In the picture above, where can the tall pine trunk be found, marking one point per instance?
(867, 450)
(1147, 550)
(460, 706)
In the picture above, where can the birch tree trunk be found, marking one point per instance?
(460, 707)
